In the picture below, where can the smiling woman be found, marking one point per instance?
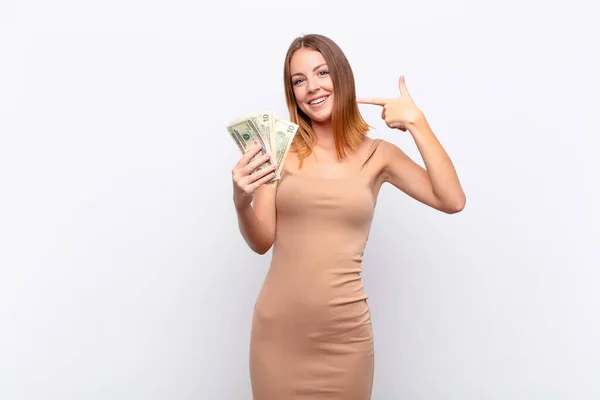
(315, 65)
(311, 330)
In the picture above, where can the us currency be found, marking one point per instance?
(267, 123)
(284, 134)
(246, 133)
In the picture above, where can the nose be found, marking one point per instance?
(313, 85)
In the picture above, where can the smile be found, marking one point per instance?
(319, 101)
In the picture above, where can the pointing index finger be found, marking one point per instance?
(373, 100)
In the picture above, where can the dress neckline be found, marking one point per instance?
(374, 146)
(322, 178)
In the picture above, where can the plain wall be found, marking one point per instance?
(122, 271)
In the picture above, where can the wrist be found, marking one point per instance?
(418, 125)
(417, 121)
(242, 207)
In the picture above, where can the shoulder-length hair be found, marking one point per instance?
(349, 127)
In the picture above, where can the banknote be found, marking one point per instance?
(273, 133)
(284, 134)
(247, 133)
(267, 123)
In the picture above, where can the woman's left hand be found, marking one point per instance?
(399, 112)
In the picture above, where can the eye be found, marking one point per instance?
(323, 72)
(297, 81)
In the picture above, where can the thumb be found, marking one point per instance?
(403, 88)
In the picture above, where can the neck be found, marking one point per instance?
(324, 132)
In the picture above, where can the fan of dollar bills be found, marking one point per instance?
(266, 129)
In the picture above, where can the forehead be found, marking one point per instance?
(304, 60)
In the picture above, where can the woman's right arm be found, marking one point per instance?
(254, 201)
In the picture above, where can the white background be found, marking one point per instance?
(122, 271)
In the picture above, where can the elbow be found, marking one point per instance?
(262, 248)
(456, 206)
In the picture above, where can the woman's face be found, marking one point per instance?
(312, 84)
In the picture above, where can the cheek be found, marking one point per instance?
(299, 94)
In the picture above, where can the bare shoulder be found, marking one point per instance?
(387, 149)
(366, 148)
(390, 155)
(378, 152)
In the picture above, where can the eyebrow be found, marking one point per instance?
(314, 69)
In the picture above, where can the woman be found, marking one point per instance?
(311, 332)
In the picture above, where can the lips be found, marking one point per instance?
(318, 101)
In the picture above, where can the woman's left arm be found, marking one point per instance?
(436, 185)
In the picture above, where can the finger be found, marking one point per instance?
(262, 181)
(258, 174)
(245, 166)
(245, 159)
(256, 163)
(403, 88)
(398, 125)
(373, 100)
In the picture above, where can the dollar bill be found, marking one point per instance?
(247, 133)
(266, 129)
(267, 123)
(272, 120)
(284, 134)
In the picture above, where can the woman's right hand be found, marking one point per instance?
(245, 182)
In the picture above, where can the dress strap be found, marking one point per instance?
(374, 146)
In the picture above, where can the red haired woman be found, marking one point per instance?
(311, 332)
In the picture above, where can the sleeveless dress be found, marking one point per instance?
(311, 334)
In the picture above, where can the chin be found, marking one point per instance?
(320, 113)
(319, 116)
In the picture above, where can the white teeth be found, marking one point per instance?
(317, 101)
